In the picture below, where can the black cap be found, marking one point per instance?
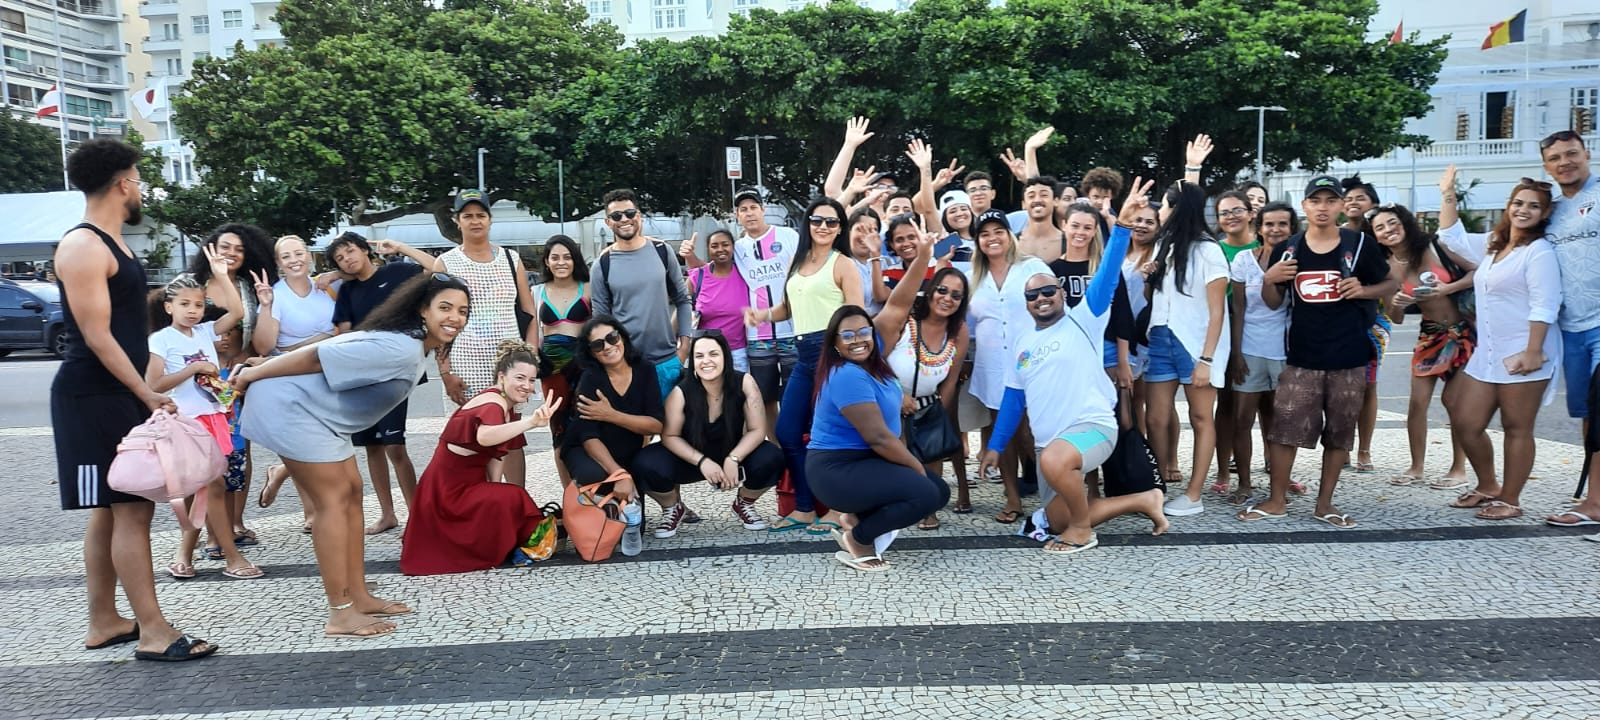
(744, 194)
(1324, 182)
(989, 216)
(472, 196)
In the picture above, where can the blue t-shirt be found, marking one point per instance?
(850, 384)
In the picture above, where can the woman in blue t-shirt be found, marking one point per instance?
(856, 461)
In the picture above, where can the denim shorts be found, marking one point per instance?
(1580, 354)
(1168, 358)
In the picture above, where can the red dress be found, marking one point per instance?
(461, 522)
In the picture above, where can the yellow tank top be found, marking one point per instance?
(814, 298)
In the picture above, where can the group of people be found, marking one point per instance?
(844, 362)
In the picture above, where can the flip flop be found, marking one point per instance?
(214, 552)
(823, 527)
(1071, 548)
(929, 523)
(1513, 511)
(1582, 519)
(1253, 514)
(1298, 488)
(1240, 497)
(786, 523)
(962, 509)
(860, 563)
(400, 609)
(248, 572)
(180, 571)
(269, 489)
(1469, 500)
(122, 639)
(246, 539)
(1450, 483)
(1405, 479)
(355, 633)
(1006, 517)
(181, 650)
(1338, 520)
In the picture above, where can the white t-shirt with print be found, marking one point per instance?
(1264, 327)
(764, 264)
(177, 351)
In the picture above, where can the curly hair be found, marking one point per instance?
(93, 167)
(1414, 244)
(159, 297)
(511, 352)
(402, 312)
(258, 254)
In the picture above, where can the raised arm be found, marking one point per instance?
(891, 320)
(1194, 157)
(855, 133)
(1103, 286)
(395, 247)
(1030, 150)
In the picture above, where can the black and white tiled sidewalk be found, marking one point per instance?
(1423, 612)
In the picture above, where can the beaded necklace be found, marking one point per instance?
(946, 353)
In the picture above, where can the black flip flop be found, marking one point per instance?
(178, 651)
(122, 639)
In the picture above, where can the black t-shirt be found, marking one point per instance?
(642, 398)
(1074, 277)
(358, 298)
(1325, 332)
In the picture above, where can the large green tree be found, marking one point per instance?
(31, 161)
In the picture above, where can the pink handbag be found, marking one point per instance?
(165, 460)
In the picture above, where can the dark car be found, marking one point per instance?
(31, 317)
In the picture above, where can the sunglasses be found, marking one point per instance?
(712, 333)
(853, 335)
(823, 221)
(620, 215)
(1530, 182)
(1048, 291)
(451, 280)
(612, 338)
(1563, 136)
(955, 295)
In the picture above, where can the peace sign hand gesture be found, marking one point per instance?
(1137, 199)
(262, 287)
(948, 175)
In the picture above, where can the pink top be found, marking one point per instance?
(720, 303)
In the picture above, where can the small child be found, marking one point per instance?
(231, 352)
(183, 363)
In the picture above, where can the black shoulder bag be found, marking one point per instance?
(929, 433)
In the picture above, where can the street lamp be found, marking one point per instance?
(481, 153)
(1261, 136)
(758, 138)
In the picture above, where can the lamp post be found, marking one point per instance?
(758, 138)
(1261, 136)
(481, 153)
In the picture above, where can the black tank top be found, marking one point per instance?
(83, 373)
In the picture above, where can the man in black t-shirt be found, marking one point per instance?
(1332, 279)
(369, 285)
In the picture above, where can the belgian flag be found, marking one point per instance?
(1506, 32)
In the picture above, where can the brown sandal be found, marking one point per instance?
(1498, 510)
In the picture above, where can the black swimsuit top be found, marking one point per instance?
(577, 313)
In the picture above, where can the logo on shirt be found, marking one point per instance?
(1027, 358)
(1318, 286)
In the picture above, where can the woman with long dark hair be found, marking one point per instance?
(1433, 280)
(1259, 336)
(715, 430)
(821, 279)
(1141, 248)
(305, 405)
(563, 299)
(619, 408)
(857, 459)
(1518, 283)
(1189, 343)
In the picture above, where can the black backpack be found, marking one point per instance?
(666, 265)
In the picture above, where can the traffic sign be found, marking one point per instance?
(735, 163)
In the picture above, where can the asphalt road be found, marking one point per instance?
(25, 386)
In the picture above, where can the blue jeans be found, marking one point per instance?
(1580, 354)
(794, 416)
(1169, 360)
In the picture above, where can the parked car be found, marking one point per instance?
(31, 317)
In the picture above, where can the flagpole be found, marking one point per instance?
(61, 90)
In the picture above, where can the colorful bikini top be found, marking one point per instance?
(577, 313)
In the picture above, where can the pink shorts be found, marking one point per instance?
(217, 425)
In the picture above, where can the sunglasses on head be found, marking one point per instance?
(955, 295)
(451, 280)
(611, 338)
(823, 221)
(1530, 182)
(1048, 291)
(620, 215)
(852, 335)
(1562, 136)
(712, 333)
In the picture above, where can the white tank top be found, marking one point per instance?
(933, 368)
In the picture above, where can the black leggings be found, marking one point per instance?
(883, 495)
(659, 471)
(585, 471)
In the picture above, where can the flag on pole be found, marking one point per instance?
(50, 104)
(1506, 32)
(1399, 35)
(152, 99)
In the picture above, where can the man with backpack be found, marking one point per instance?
(638, 281)
(1332, 278)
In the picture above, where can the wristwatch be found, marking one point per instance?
(736, 459)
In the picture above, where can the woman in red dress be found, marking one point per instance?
(461, 520)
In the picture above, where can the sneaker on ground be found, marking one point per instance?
(1182, 506)
(670, 519)
(746, 511)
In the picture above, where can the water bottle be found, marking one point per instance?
(633, 537)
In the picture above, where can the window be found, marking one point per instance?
(20, 95)
(201, 24)
(13, 20)
(670, 14)
(743, 7)
(232, 18)
(174, 66)
(10, 299)
(169, 31)
(1499, 115)
(16, 56)
(1585, 103)
(201, 56)
(600, 9)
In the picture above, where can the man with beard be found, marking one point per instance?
(100, 393)
(639, 282)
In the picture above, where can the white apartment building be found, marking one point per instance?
(684, 19)
(180, 32)
(1490, 107)
(77, 44)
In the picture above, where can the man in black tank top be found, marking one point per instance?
(100, 393)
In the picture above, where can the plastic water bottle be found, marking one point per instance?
(633, 537)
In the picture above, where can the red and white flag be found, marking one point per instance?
(1399, 35)
(50, 104)
(151, 100)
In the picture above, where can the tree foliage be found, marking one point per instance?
(380, 105)
(31, 161)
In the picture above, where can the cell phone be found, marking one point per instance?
(944, 245)
(1423, 291)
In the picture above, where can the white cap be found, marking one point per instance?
(954, 197)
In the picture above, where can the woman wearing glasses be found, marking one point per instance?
(1518, 285)
(1236, 224)
(715, 430)
(822, 278)
(305, 405)
(618, 408)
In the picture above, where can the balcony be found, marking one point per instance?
(165, 43)
(266, 33)
(158, 8)
(91, 8)
(1477, 152)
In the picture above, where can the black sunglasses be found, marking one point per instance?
(1048, 291)
(711, 333)
(1563, 136)
(450, 280)
(611, 338)
(619, 215)
(955, 295)
(823, 220)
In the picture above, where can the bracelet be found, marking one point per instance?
(701, 461)
(735, 458)
(1205, 359)
(769, 315)
(1192, 168)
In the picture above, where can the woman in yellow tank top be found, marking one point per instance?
(822, 278)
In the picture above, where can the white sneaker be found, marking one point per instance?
(1182, 506)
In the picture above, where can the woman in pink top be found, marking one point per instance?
(720, 296)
